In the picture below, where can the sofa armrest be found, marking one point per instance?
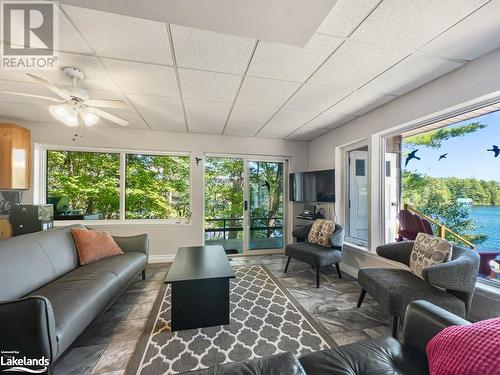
(397, 251)
(27, 325)
(301, 233)
(425, 320)
(138, 243)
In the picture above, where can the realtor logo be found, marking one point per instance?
(29, 35)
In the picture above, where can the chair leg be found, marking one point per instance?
(317, 276)
(143, 274)
(395, 326)
(338, 270)
(361, 297)
(287, 264)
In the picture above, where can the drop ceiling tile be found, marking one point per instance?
(145, 79)
(354, 64)
(330, 119)
(408, 25)
(205, 125)
(69, 38)
(242, 128)
(114, 35)
(208, 50)
(205, 109)
(278, 132)
(266, 92)
(279, 61)
(471, 38)
(316, 98)
(128, 114)
(360, 103)
(96, 76)
(409, 74)
(15, 75)
(161, 113)
(26, 112)
(27, 88)
(306, 134)
(290, 118)
(345, 16)
(210, 86)
(246, 120)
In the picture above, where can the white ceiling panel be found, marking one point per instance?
(205, 125)
(27, 88)
(290, 118)
(345, 16)
(69, 38)
(205, 109)
(279, 132)
(409, 74)
(408, 25)
(266, 92)
(246, 120)
(16, 75)
(279, 61)
(330, 120)
(95, 74)
(145, 79)
(316, 98)
(242, 128)
(475, 36)
(307, 134)
(113, 35)
(161, 113)
(208, 50)
(25, 111)
(210, 86)
(360, 103)
(354, 64)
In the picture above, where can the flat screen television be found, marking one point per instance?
(315, 186)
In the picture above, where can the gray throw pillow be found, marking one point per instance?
(427, 251)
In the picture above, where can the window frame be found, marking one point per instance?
(40, 185)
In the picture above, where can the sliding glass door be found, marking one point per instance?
(244, 204)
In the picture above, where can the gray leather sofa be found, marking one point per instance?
(47, 299)
(382, 355)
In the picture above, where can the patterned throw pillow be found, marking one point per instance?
(427, 251)
(321, 231)
(93, 245)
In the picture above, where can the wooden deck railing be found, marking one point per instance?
(442, 229)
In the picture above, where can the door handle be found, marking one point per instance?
(246, 205)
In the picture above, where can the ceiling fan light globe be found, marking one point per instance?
(90, 118)
(64, 113)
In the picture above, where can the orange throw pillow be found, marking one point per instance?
(93, 245)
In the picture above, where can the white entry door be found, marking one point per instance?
(358, 195)
(391, 196)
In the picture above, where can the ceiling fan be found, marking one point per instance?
(75, 106)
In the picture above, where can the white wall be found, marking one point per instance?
(474, 82)
(165, 239)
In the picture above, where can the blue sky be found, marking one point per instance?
(467, 155)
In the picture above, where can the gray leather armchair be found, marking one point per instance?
(316, 255)
(449, 285)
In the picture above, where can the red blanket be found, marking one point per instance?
(466, 350)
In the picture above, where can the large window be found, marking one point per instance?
(357, 196)
(447, 173)
(86, 185)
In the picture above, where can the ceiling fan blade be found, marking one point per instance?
(62, 93)
(109, 103)
(108, 116)
(33, 96)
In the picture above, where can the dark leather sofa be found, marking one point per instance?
(383, 355)
(47, 299)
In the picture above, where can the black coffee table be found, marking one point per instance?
(199, 278)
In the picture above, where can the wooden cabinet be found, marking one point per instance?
(15, 157)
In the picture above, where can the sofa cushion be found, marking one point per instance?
(313, 254)
(427, 251)
(395, 288)
(79, 296)
(279, 364)
(320, 232)
(93, 245)
(39, 257)
(383, 355)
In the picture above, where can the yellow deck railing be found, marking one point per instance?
(442, 229)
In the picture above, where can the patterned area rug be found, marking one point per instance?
(265, 320)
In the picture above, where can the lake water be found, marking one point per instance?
(488, 220)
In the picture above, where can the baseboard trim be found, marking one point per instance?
(161, 258)
(351, 271)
